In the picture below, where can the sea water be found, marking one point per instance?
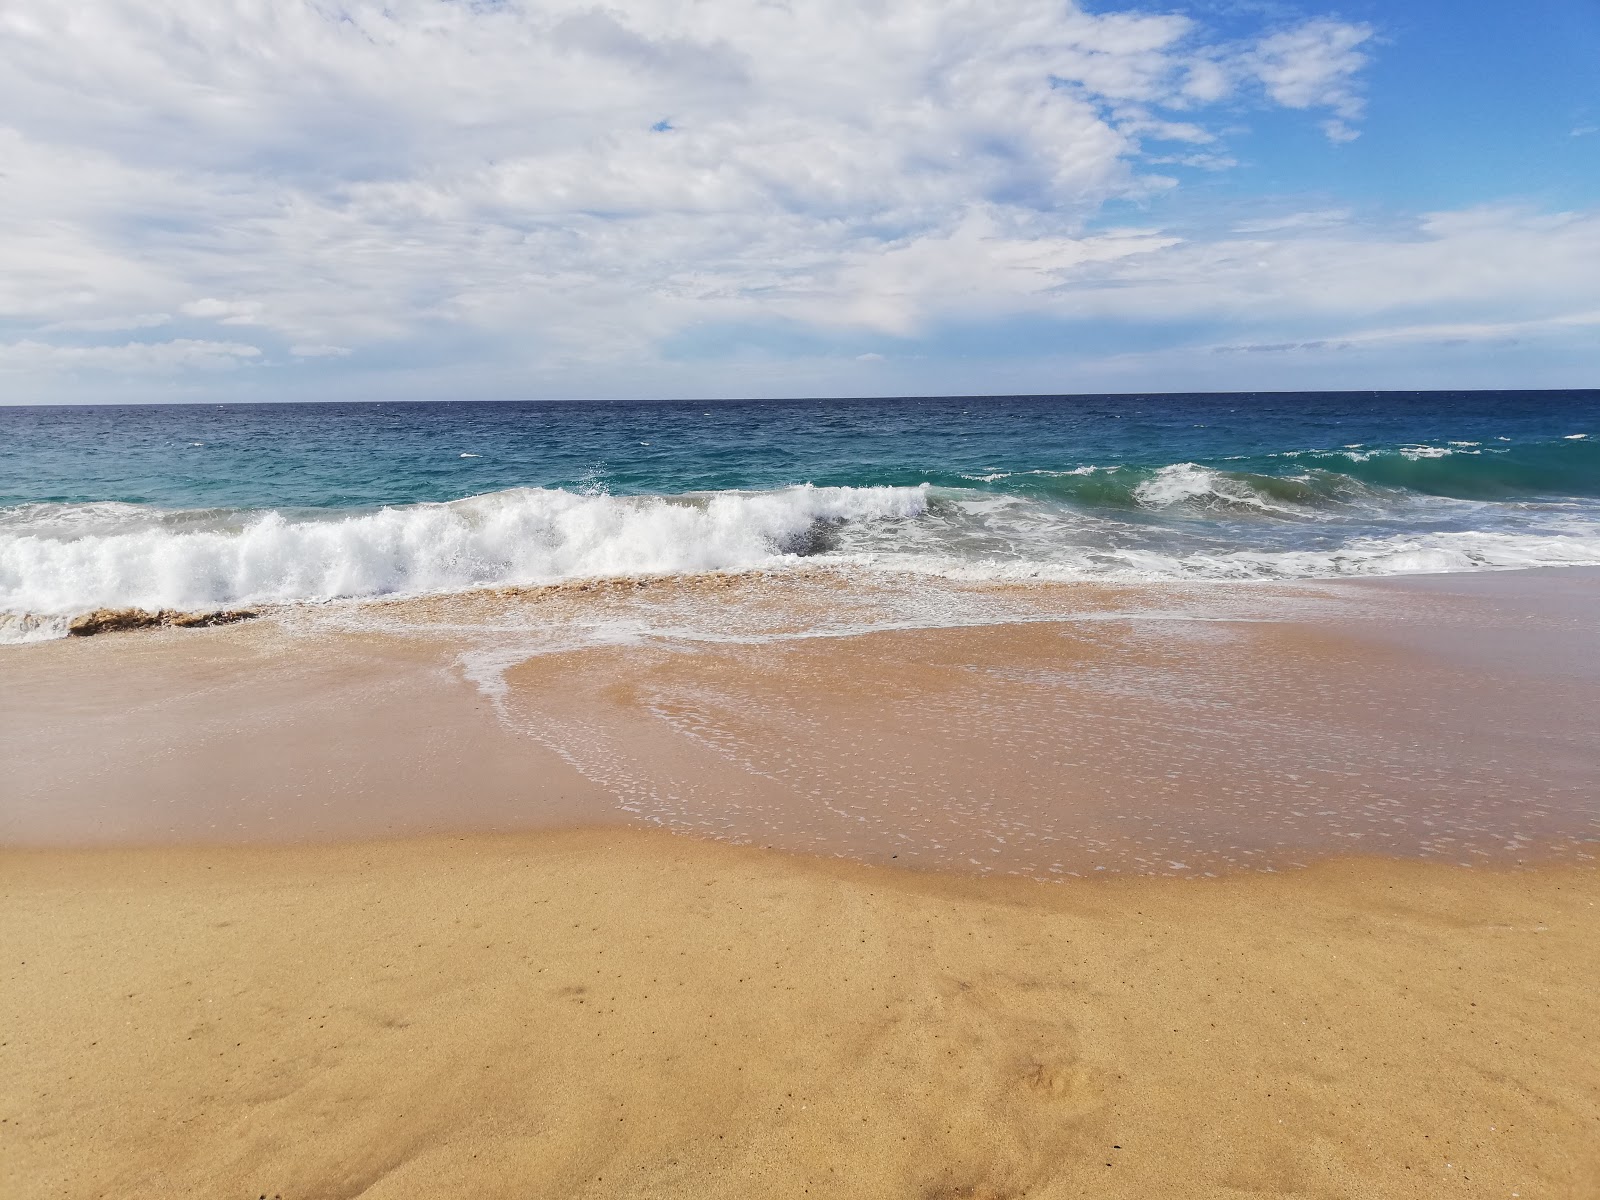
(206, 507)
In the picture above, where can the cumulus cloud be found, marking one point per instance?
(561, 186)
(1314, 65)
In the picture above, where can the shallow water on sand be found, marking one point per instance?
(1045, 731)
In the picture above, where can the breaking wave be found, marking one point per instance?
(1297, 480)
(65, 559)
(1354, 511)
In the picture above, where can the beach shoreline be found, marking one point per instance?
(1038, 731)
(381, 910)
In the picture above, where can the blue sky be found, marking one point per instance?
(1468, 103)
(205, 200)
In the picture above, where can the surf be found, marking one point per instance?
(58, 560)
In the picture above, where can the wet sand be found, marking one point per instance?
(633, 1014)
(168, 736)
(1077, 731)
(215, 983)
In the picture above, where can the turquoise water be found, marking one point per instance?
(190, 506)
(351, 455)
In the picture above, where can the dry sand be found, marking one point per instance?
(616, 1013)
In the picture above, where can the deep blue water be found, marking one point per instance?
(193, 507)
(336, 455)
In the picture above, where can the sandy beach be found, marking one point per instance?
(626, 1014)
(707, 600)
(334, 912)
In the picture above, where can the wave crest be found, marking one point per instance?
(1297, 514)
(56, 561)
(1295, 482)
(1191, 485)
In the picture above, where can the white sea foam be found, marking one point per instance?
(18, 628)
(1427, 554)
(1430, 554)
(64, 559)
(59, 560)
(1190, 483)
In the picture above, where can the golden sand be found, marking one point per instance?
(566, 1009)
(614, 1013)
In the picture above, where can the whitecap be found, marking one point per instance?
(1190, 483)
(66, 559)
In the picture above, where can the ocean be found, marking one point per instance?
(209, 507)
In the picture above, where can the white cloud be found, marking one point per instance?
(1314, 65)
(115, 324)
(1319, 218)
(561, 187)
(988, 266)
(225, 312)
(1206, 81)
(1338, 131)
(1438, 334)
(133, 357)
(1469, 265)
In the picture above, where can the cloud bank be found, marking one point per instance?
(565, 198)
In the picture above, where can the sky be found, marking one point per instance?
(218, 200)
